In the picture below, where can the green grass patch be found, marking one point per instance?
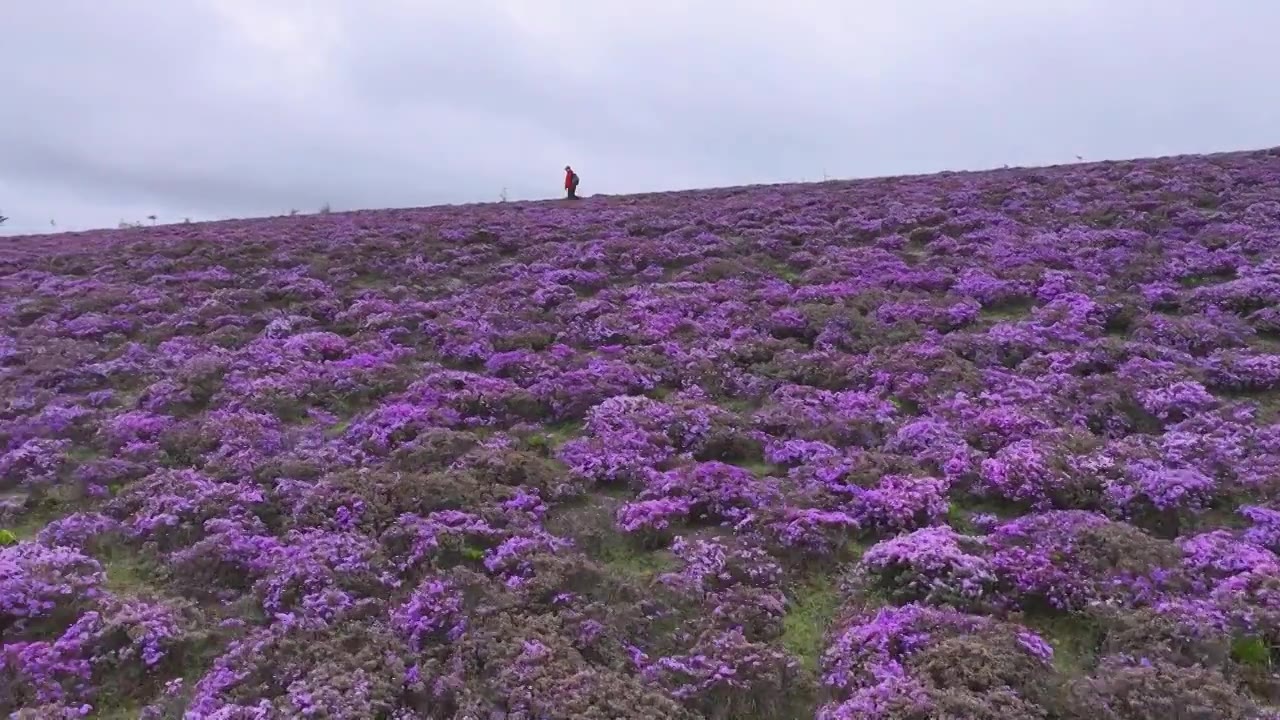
(960, 519)
(1194, 281)
(660, 392)
(1005, 312)
(614, 491)
(547, 442)
(759, 468)
(122, 710)
(1268, 405)
(1251, 651)
(850, 552)
(962, 510)
(740, 407)
(1075, 639)
(33, 521)
(911, 257)
(811, 609)
(1102, 218)
(338, 429)
(1207, 201)
(779, 270)
(560, 433)
(906, 406)
(369, 281)
(1224, 513)
(82, 454)
(1266, 341)
(626, 558)
(127, 571)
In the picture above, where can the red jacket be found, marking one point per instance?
(568, 179)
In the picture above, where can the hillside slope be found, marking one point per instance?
(986, 445)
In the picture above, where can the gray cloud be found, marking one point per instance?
(233, 108)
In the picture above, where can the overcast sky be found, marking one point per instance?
(118, 109)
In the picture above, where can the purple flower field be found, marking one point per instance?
(993, 445)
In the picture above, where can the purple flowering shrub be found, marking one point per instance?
(1244, 371)
(324, 572)
(432, 615)
(1066, 560)
(170, 507)
(34, 465)
(1249, 602)
(985, 445)
(1060, 561)
(39, 581)
(524, 664)
(81, 531)
(1264, 527)
(848, 418)
(300, 667)
(135, 434)
(933, 565)
(141, 639)
(740, 587)
(1160, 498)
(67, 644)
(917, 662)
(627, 435)
(1029, 472)
(710, 492)
(1145, 689)
(724, 672)
(230, 557)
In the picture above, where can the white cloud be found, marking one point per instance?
(218, 108)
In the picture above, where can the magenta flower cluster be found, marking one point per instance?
(999, 444)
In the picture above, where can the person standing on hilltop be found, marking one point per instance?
(570, 183)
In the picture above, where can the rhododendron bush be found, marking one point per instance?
(984, 445)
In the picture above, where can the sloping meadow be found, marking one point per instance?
(990, 445)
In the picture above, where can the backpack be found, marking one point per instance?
(574, 180)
